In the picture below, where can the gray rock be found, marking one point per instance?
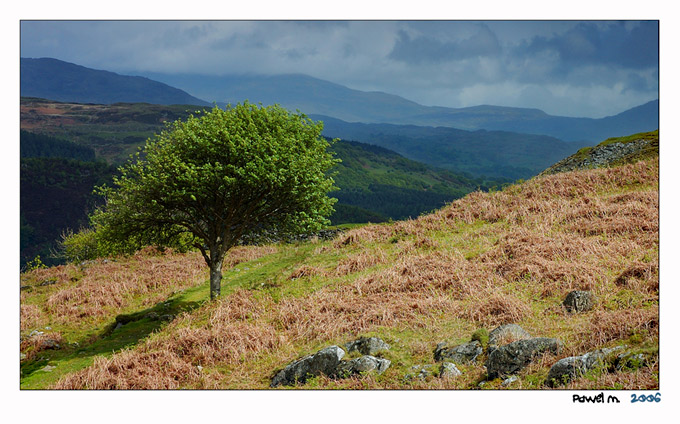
(512, 332)
(449, 370)
(567, 369)
(50, 344)
(324, 361)
(631, 361)
(460, 354)
(48, 368)
(579, 301)
(367, 345)
(420, 372)
(360, 365)
(508, 381)
(48, 283)
(513, 357)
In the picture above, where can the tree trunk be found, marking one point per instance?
(215, 279)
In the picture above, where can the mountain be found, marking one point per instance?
(315, 96)
(57, 80)
(496, 154)
(62, 81)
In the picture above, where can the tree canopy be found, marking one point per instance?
(218, 177)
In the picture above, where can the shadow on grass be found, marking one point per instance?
(125, 332)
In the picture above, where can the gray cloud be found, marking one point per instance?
(577, 68)
(426, 49)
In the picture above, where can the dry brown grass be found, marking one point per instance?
(108, 287)
(37, 343)
(579, 230)
(360, 261)
(240, 254)
(608, 326)
(111, 286)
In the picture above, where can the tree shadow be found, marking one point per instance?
(126, 331)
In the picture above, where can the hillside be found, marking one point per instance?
(375, 184)
(611, 152)
(496, 154)
(55, 196)
(62, 81)
(488, 259)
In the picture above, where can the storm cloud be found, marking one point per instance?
(571, 68)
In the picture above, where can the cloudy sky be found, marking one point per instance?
(570, 68)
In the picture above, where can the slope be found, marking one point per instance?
(375, 184)
(495, 154)
(509, 256)
(62, 81)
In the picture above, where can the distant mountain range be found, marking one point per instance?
(57, 80)
(62, 81)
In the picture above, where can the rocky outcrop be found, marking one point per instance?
(328, 361)
(608, 359)
(324, 361)
(361, 365)
(607, 153)
(460, 354)
(513, 357)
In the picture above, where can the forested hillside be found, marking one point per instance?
(375, 184)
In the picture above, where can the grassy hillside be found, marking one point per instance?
(487, 259)
(375, 184)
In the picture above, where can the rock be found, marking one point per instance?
(513, 357)
(449, 370)
(629, 361)
(48, 283)
(461, 354)
(508, 381)
(421, 372)
(35, 333)
(579, 301)
(22, 356)
(360, 365)
(48, 368)
(24, 287)
(118, 325)
(50, 344)
(367, 345)
(324, 361)
(505, 334)
(567, 369)
(152, 316)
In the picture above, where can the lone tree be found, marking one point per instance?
(217, 177)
